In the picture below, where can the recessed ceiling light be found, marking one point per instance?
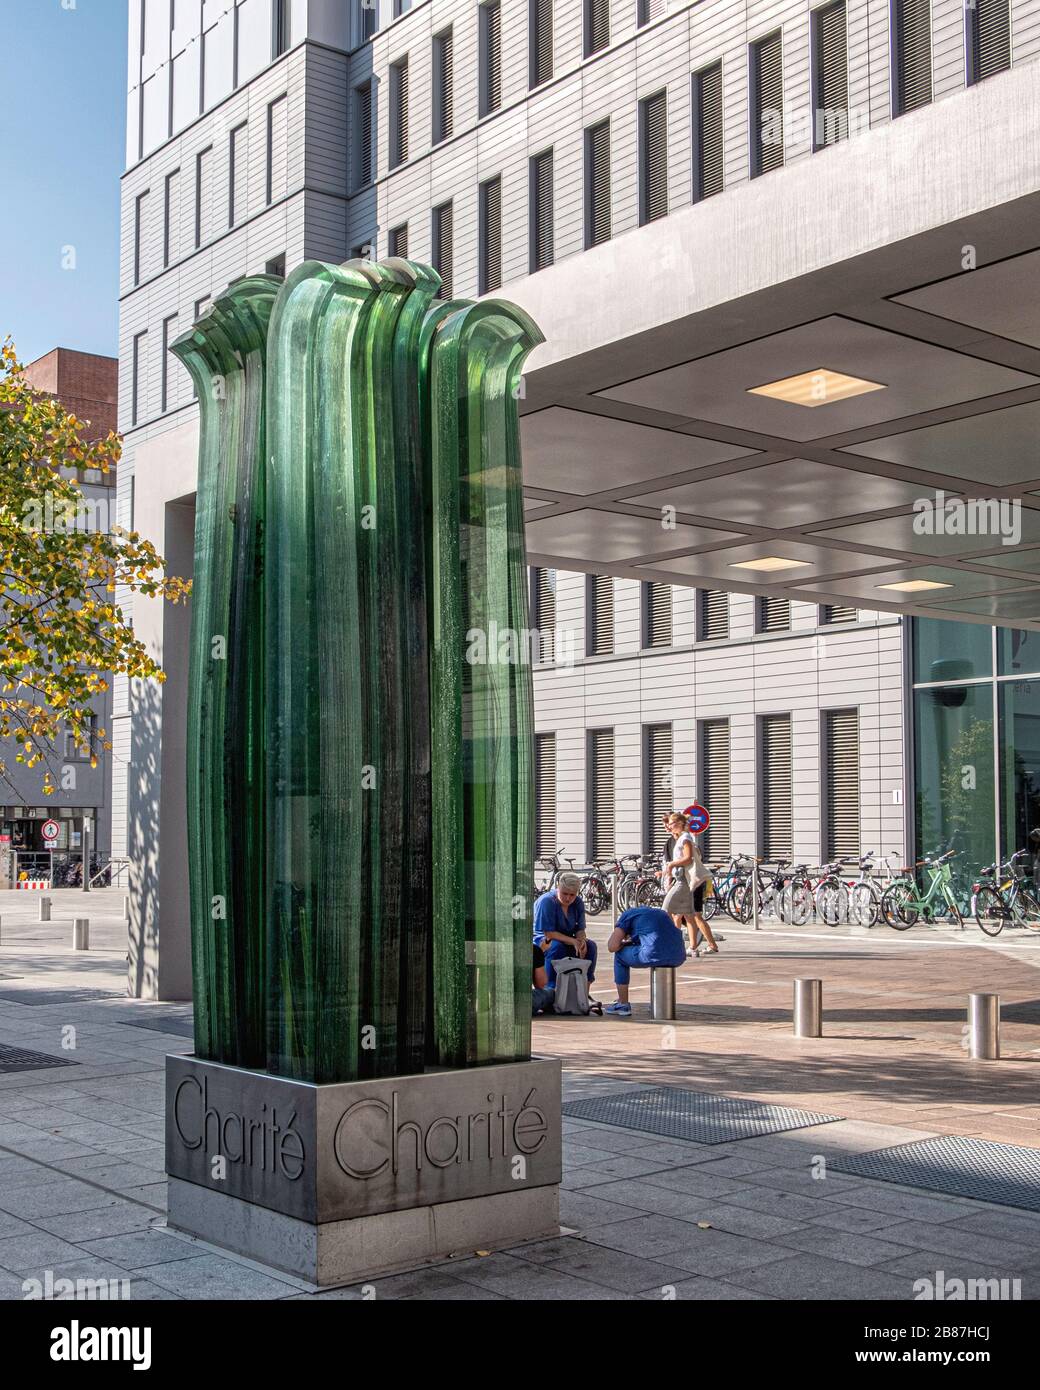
(915, 586)
(819, 387)
(770, 562)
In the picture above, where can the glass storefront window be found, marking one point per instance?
(945, 650)
(1018, 651)
(1019, 763)
(953, 728)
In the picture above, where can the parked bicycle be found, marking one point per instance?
(903, 904)
(1001, 895)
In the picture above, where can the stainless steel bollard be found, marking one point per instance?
(662, 992)
(126, 909)
(81, 934)
(984, 1026)
(808, 1008)
(45, 909)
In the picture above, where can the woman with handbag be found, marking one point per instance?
(688, 876)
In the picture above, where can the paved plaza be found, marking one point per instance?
(81, 1146)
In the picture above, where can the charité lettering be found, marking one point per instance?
(371, 1136)
(267, 1143)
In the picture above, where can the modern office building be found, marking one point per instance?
(787, 263)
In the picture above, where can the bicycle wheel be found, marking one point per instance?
(794, 904)
(863, 905)
(595, 896)
(991, 910)
(648, 893)
(832, 901)
(626, 894)
(711, 906)
(739, 904)
(899, 906)
(1027, 910)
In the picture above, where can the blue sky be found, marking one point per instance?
(63, 78)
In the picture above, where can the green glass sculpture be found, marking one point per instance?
(359, 529)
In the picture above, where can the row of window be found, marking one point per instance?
(662, 791)
(200, 182)
(772, 614)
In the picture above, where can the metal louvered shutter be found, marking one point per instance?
(542, 210)
(443, 86)
(714, 614)
(913, 54)
(990, 30)
(710, 154)
(545, 795)
(443, 249)
(398, 241)
(832, 76)
(399, 113)
(364, 134)
(545, 612)
(541, 41)
(774, 614)
(597, 25)
(768, 104)
(776, 783)
(658, 614)
(490, 235)
(601, 615)
(838, 613)
(714, 785)
(841, 769)
(601, 793)
(491, 87)
(651, 9)
(654, 191)
(597, 180)
(658, 793)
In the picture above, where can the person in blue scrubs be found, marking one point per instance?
(559, 926)
(644, 936)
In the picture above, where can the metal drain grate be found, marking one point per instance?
(978, 1168)
(164, 1023)
(56, 996)
(24, 1059)
(694, 1115)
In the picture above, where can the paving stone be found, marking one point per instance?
(648, 1236)
(213, 1277)
(54, 1199)
(461, 1293)
(852, 1246)
(693, 1180)
(718, 1252)
(663, 1201)
(709, 1291)
(805, 1277)
(19, 1254)
(1000, 1222)
(577, 1155)
(952, 1241)
(615, 1270)
(579, 1209)
(791, 1206)
(140, 1248)
(119, 1218)
(852, 1218)
(900, 1201)
(518, 1279)
(924, 1264)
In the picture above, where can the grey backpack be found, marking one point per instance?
(572, 987)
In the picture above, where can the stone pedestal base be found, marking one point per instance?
(340, 1183)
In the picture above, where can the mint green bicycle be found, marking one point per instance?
(903, 904)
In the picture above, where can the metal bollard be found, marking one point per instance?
(984, 1026)
(45, 909)
(81, 934)
(662, 992)
(808, 1008)
(126, 909)
(613, 899)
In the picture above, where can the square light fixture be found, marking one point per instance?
(818, 387)
(915, 586)
(770, 562)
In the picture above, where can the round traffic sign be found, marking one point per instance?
(49, 829)
(698, 816)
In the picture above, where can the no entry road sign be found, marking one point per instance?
(699, 818)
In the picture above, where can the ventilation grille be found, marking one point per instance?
(913, 54)
(710, 130)
(443, 249)
(545, 612)
(490, 235)
(601, 616)
(545, 795)
(399, 241)
(542, 216)
(601, 793)
(655, 158)
(832, 76)
(444, 86)
(714, 782)
(541, 42)
(838, 613)
(775, 732)
(597, 155)
(659, 780)
(491, 16)
(768, 67)
(841, 760)
(399, 109)
(658, 615)
(597, 34)
(714, 615)
(364, 134)
(651, 9)
(990, 28)
(774, 614)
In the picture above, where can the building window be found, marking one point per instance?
(600, 794)
(597, 26)
(838, 613)
(282, 27)
(83, 750)
(657, 614)
(712, 615)
(367, 20)
(767, 104)
(363, 135)
(599, 615)
(168, 333)
(912, 55)
(238, 174)
(776, 787)
(830, 76)
(443, 86)
(399, 113)
(490, 57)
(650, 9)
(401, 7)
(137, 386)
(203, 195)
(653, 158)
(543, 608)
(714, 783)
(773, 614)
(658, 785)
(443, 248)
(597, 184)
(989, 38)
(541, 42)
(277, 148)
(397, 241)
(490, 236)
(200, 308)
(171, 218)
(841, 838)
(708, 132)
(541, 211)
(276, 266)
(545, 795)
(140, 208)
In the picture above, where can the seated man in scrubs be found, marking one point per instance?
(644, 936)
(559, 927)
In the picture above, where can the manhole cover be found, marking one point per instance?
(56, 996)
(164, 1023)
(694, 1115)
(23, 1059)
(977, 1168)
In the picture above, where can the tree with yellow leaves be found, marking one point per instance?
(62, 632)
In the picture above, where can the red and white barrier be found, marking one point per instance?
(33, 883)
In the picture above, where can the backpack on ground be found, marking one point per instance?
(572, 987)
